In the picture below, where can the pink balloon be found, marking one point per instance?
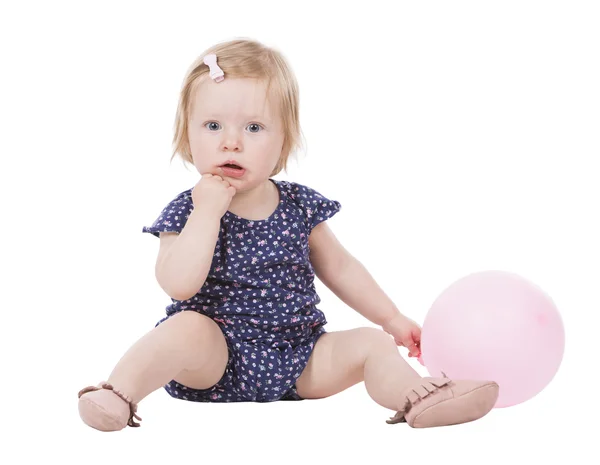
(497, 326)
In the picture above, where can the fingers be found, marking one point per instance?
(416, 343)
(218, 178)
(414, 348)
(416, 335)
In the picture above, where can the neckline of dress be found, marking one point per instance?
(249, 222)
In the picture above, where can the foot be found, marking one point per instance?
(106, 409)
(442, 402)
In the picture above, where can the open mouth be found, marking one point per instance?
(232, 170)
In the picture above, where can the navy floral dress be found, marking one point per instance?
(260, 291)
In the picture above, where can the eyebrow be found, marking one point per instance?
(219, 115)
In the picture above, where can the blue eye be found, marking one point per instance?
(214, 126)
(255, 125)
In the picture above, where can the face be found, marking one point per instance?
(233, 122)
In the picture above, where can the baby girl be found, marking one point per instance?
(238, 256)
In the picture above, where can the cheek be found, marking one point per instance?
(196, 140)
(275, 146)
(273, 149)
(200, 145)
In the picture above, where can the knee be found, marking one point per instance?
(376, 338)
(192, 323)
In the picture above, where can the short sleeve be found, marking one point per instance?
(316, 207)
(174, 216)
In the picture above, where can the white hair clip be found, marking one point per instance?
(216, 73)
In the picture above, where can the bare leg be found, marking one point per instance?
(188, 347)
(343, 358)
(355, 355)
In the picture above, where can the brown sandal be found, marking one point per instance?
(443, 402)
(132, 406)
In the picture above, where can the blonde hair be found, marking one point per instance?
(244, 58)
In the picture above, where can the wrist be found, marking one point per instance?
(205, 213)
(393, 322)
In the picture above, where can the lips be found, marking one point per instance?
(232, 169)
(232, 164)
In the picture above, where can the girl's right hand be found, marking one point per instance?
(213, 194)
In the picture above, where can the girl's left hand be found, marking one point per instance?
(406, 333)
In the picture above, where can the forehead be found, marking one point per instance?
(237, 98)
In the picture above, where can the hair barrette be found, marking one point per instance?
(216, 72)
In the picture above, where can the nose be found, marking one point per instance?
(231, 143)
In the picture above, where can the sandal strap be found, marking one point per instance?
(414, 394)
(132, 406)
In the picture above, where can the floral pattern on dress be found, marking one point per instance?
(260, 291)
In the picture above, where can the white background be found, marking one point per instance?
(458, 136)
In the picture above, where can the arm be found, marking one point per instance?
(184, 259)
(348, 278)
